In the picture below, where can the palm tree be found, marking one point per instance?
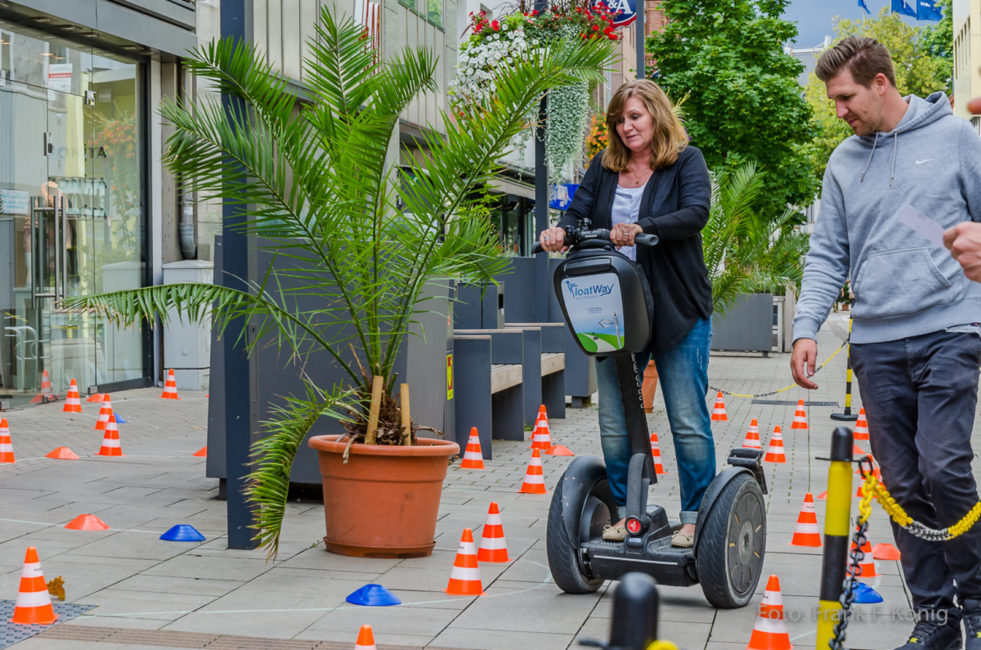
(316, 182)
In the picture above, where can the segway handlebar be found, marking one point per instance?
(599, 237)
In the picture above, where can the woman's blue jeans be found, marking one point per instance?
(683, 374)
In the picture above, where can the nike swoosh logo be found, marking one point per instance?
(920, 162)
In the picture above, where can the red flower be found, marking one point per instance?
(534, 12)
(496, 26)
(595, 28)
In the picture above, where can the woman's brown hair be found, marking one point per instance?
(669, 139)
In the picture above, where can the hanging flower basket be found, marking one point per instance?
(495, 43)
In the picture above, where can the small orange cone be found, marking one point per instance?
(473, 457)
(62, 453)
(534, 482)
(719, 411)
(800, 416)
(858, 452)
(465, 575)
(493, 546)
(752, 440)
(867, 565)
(202, 452)
(6, 444)
(73, 403)
(46, 395)
(770, 632)
(33, 605)
(823, 496)
(807, 532)
(542, 436)
(110, 441)
(861, 426)
(87, 522)
(104, 413)
(885, 551)
(656, 452)
(170, 386)
(559, 450)
(97, 398)
(366, 640)
(774, 451)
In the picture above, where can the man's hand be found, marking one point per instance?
(964, 242)
(802, 362)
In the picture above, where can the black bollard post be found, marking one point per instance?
(847, 416)
(634, 622)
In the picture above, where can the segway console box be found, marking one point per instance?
(607, 304)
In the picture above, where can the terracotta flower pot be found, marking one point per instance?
(383, 502)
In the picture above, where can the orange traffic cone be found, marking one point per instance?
(885, 551)
(202, 452)
(800, 416)
(104, 412)
(98, 398)
(807, 533)
(366, 640)
(823, 496)
(473, 457)
(867, 565)
(493, 546)
(774, 451)
(110, 441)
(465, 575)
(656, 452)
(858, 452)
(861, 426)
(719, 412)
(6, 444)
(559, 450)
(534, 482)
(170, 386)
(542, 437)
(73, 402)
(87, 522)
(46, 395)
(62, 453)
(752, 436)
(33, 605)
(770, 632)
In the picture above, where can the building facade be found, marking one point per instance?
(967, 56)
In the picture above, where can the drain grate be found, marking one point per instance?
(11, 633)
(790, 402)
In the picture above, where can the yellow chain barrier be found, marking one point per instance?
(785, 388)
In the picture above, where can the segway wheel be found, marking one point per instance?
(729, 557)
(581, 505)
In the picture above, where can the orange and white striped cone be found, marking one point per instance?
(807, 532)
(867, 565)
(6, 443)
(719, 411)
(473, 457)
(104, 412)
(170, 386)
(493, 546)
(656, 452)
(542, 437)
(33, 606)
(774, 451)
(465, 575)
(861, 426)
(800, 416)
(752, 440)
(110, 440)
(46, 394)
(73, 401)
(770, 632)
(534, 482)
(366, 639)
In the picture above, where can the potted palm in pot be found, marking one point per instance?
(316, 180)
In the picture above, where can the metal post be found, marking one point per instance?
(641, 38)
(542, 279)
(235, 267)
(847, 415)
(836, 530)
(633, 625)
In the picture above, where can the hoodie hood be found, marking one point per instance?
(921, 113)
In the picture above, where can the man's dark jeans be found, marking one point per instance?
(919, 395)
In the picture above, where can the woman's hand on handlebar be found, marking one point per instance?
(553, 240)
(622, 234)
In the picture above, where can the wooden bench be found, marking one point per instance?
(545, 360)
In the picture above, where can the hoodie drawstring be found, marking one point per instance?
(869, 161)
(895, 148)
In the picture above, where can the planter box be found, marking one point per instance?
(747, 326)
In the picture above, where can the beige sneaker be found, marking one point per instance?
(683, 540)
(615, 533)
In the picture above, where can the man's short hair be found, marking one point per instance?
(864, 56)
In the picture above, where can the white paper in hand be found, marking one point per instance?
(923, 225)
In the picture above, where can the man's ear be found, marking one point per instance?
(881, 83)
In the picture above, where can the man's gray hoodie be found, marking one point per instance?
(904, 283)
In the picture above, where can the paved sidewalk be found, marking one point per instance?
(147, 593)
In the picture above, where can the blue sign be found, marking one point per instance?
(625, 11)
(14, 202)
(561, 196)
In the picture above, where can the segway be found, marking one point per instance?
(607, 304)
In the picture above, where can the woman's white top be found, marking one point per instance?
(626, 209)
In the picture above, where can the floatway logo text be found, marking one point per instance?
(589, 290)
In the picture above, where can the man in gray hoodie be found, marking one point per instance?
(911, 170)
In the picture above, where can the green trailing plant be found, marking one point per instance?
(744, 251)
(317, 184)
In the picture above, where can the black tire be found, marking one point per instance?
(731, 544)
(580, 508)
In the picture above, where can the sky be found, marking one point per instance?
(814, 17)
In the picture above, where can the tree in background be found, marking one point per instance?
(743, 103)
(922, 58)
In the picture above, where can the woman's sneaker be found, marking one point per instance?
(928, 635)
